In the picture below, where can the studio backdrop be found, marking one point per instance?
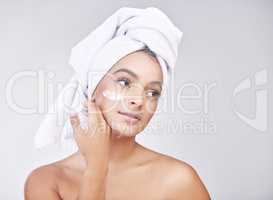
(217, 115)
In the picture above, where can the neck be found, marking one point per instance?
(121, 148)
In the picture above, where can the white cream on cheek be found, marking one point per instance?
(111, 95)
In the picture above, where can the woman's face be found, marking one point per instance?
(132, 85)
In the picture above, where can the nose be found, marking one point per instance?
(136, 98)
(136, 101)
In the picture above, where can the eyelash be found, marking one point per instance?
(124, 79)
(128, 81)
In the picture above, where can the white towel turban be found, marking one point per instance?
(126, 31)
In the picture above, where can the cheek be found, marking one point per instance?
(150, 107)
(108, 107)
(109, 102)
(105, 88)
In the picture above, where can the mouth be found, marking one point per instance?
(130, 117)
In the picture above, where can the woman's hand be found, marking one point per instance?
(94, 141)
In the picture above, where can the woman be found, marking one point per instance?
(120, 162)
(110, 164)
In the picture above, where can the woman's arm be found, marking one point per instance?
(185, 183)
(93, 144)
(92, 185)
(192, 188)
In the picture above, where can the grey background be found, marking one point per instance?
(223, 43)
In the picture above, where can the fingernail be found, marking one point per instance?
(72, 121)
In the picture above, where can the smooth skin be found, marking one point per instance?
(110, 164)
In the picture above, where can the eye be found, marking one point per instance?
(154, 93)
(124, 81)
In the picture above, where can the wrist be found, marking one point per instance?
(98, 165)
(96, 172)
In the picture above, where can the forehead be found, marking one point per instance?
(143, 65)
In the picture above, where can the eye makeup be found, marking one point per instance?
(125, 80)
(154, 93)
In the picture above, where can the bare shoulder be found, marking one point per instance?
(41, 183)
(181, 179)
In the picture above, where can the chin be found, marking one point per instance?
(122, 129)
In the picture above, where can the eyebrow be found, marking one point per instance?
(133, 74)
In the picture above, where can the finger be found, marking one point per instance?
(96, 108)
(103, 126)
(92, 114)
(91, 108)
(96, 122)
(75, 123)
(100, 114)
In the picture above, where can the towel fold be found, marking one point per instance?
(125, 31)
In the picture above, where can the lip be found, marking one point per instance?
(130, 117)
